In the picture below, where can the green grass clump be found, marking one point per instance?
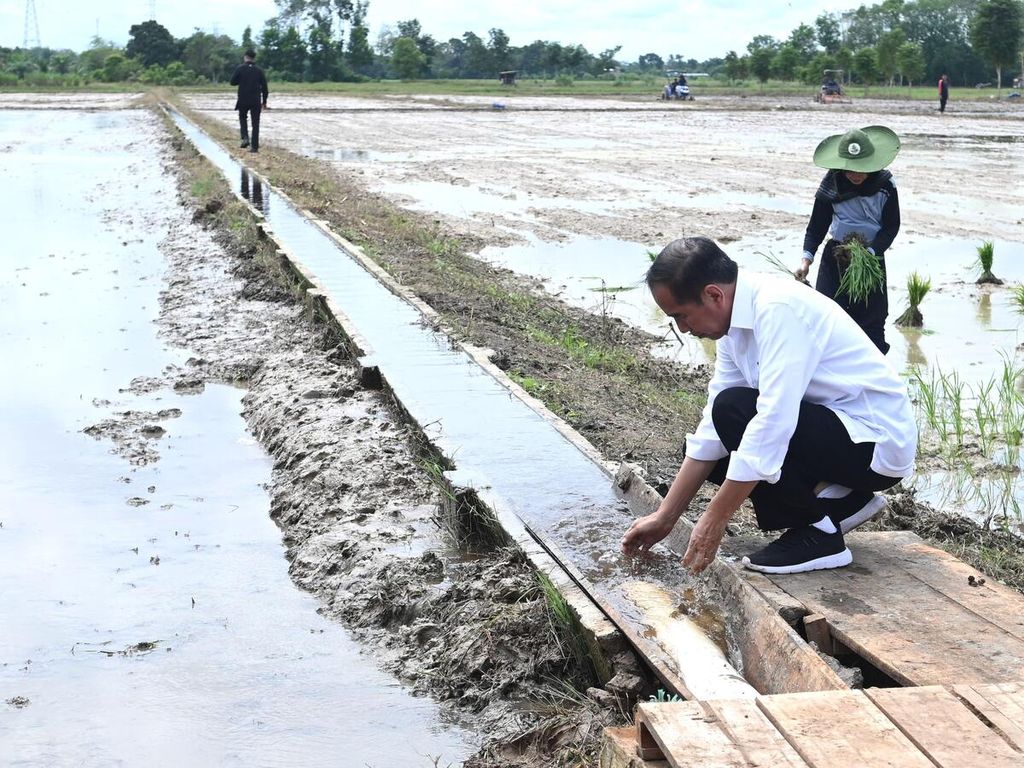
(917, 287)
(986, 255)
(862, 275)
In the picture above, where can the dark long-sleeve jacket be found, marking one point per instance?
(252, 86)
(870, 209)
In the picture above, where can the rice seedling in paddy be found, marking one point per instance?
(976, 432)
(862, 274)
(986, 254)
(1018, 297)
(917, 288)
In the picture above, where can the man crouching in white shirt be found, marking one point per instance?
(804, 415)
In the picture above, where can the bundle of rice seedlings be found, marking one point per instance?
(986, 253)
(917, 287)
(861, 270)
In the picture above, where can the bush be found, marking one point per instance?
(564, 80)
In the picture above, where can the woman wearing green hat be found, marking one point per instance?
(856, 199)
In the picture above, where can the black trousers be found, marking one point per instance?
(819, 451)
(942, 103)
(869, 314)
(254, 142)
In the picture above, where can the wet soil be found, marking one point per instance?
(641, 409)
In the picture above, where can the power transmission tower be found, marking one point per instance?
(31, 26)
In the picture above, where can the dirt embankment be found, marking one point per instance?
(353, 494)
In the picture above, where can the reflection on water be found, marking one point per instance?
(984, 313)
(251, 189)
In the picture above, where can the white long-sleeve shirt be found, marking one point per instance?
(793, 344)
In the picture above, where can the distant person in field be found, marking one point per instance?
(252, 98)
(856, 199)
(943, 92)
(804, 415)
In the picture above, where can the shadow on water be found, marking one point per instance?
(147, 613)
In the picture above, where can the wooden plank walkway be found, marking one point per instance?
(970, 726)
(912, 611)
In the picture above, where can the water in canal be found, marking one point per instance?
(147, 613)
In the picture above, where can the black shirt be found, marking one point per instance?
(252, 86)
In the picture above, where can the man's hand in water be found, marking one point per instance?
(645, 532)
(705, 540)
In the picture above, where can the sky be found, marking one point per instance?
(698, 29)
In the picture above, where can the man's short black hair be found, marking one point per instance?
(250, 54)
(689, 264)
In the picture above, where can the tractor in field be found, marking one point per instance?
(831, 91)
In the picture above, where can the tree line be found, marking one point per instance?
(328, 40)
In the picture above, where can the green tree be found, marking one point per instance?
(828, 32)
(605, 60)
(293, 55)
(887, 51)
(996, 33)
(651, 62)
(786, 61)
(247, 43)
(115, 68)
(735, 67)
(501, 55)
(212, 56)
(151, 43)
(93, 59)
(407, 59)
(803, 40)
(910, 60)
(359, 54)
(865, 65)
(325, 55)
(760, 55)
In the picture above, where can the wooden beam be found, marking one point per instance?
(818, 632)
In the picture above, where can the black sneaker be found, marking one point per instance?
(801, 549)
(244, 144)
(253, 149)
(853, 510)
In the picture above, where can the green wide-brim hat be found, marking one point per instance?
(864, 150)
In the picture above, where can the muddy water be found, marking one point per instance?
(147, 613)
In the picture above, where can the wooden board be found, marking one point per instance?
(1000, 704)
(753, 733)
(946, 574)
(885, 608)
(687, 736)
(943, 728)
(838, 728)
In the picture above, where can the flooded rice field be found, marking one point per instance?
(578, 194)
(148, 613)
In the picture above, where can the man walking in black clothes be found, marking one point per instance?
(252, 97)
